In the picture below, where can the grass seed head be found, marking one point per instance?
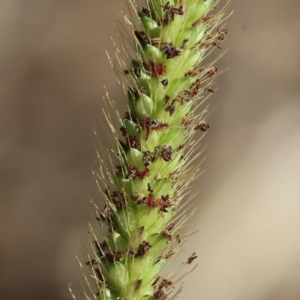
(165, 81)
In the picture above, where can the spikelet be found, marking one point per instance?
(165, 80)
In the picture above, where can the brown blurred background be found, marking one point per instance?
(52, 68)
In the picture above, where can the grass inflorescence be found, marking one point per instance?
(165, 82)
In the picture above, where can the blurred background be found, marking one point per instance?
(52, 69)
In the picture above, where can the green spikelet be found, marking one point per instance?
(166, 81)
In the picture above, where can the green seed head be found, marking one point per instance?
(168, 80)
